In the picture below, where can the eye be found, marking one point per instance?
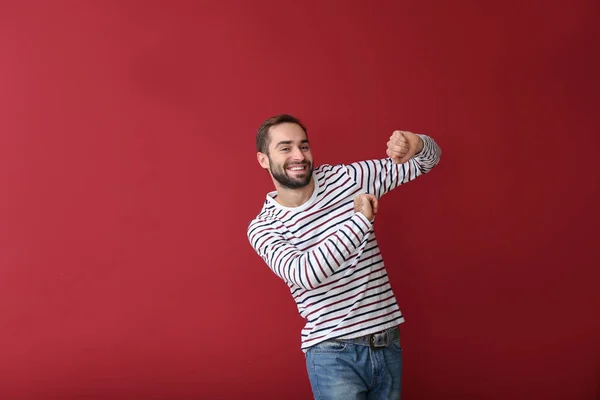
(284, 149)
(304, 147)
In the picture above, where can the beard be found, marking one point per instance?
(280, 175)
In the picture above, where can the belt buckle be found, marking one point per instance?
(376, 344)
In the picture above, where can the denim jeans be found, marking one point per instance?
(346, 370)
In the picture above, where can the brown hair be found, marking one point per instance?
(262, 136)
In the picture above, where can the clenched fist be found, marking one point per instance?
(366, 204)
(403, 146)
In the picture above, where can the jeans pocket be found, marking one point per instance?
(395, 345)
(329, 346)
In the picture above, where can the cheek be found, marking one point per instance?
(278, 164)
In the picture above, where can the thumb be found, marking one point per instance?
(374, 203)
(405, 159)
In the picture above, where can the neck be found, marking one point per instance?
(294, 197)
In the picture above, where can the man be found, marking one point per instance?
(315, 232)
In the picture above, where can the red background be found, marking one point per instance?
(128, 177)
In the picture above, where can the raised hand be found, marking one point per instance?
(403, 146)
(366, 204)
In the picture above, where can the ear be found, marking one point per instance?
(263, 160)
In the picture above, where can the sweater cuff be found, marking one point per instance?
(426, 145)
(364, 221)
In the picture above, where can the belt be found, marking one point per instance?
(377, 340)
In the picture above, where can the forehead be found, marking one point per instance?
(285, 132)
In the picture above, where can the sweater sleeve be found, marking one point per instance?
(308, 269)
(380, 176)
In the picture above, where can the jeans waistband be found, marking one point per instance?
(376, 340)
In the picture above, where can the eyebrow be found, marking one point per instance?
(289, 142)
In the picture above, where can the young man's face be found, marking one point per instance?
(289, 159)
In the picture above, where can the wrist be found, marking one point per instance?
(420, 145)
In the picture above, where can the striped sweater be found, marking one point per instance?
(328, 255)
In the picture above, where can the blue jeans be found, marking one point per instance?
(352, 370)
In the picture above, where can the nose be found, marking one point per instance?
(297, 154)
